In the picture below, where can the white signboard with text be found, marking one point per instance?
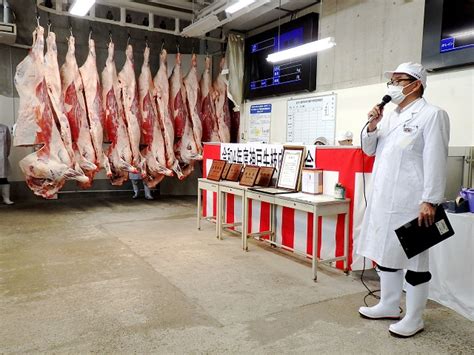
(260, 119)
(262, 154)
(310, 118)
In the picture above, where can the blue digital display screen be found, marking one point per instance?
(263, 78)
(457, 30)
(282, 73)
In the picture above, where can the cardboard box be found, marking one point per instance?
(312, 181)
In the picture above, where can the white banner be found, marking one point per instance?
(262, 154)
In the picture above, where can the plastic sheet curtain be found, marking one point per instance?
(235, 63)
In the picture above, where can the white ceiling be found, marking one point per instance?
(267, 13)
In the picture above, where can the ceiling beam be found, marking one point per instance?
(134, 6)
(186, 5)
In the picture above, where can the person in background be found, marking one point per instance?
(135, 179)
(408, 182)
(345, 138)
(5, 145)
(321, 141)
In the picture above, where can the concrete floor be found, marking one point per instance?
(112, 275)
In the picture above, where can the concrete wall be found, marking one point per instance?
(373, 36)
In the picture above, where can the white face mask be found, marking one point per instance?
(396, 93)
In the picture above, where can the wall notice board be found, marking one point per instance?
(310, 118)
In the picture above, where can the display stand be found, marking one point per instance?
(234, 188)
(212, 186)
(318, 205)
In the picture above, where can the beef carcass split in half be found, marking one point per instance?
(193, 95)
(154, 152)
(75, 107)
(162, 89)
(222, 105)
(129, 94)
(210, 132)
(119, 152)
(53, 82)
(185, 146)
(95, 111)
(29, 74)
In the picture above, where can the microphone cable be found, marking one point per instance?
(370, 293)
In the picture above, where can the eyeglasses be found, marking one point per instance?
(397, 82)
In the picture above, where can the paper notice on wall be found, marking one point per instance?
(310, 118)
(260, 119)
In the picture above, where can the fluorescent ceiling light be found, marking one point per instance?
(239, 5)
(201, 27)
(81, 7)
(301, 51)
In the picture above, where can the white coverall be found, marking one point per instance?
(411, 149)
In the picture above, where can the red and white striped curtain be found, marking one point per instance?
(294, 228)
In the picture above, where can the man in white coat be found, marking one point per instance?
(408, 181)
(5, 145)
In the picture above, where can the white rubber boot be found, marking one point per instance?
(6, 194)
(135, 189)
(412, 323)
(148, 195)
(391, 284)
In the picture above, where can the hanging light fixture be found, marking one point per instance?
(81, 7)
(301, 51)
(239, 5)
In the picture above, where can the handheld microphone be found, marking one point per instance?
(385, 100)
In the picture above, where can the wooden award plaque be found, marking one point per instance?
(249, 176)
(216, 170)
(234, 172)
(264, 177)
(226, 170)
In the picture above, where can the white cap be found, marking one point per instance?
(344, 135)
(321, 140)
(413, 69)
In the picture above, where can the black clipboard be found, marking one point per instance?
(415, 239)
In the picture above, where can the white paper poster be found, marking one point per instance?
(310, 118)
(260, 120)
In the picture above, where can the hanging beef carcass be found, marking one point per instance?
(119, 153)
(47, 169)
(222, 105)
(154, 152)
(193, 95)
(162, 102)
(75, 107)
(95, 111)
(129, 95)
(210, 131)
(29, 74)
(185, 146)
(53, 82)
